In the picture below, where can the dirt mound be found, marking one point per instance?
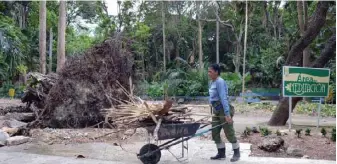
(87, 84)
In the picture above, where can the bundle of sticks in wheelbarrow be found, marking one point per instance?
(162, 121)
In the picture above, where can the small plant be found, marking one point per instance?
(265, 131)
(323, 131)
(248, 130)
(307, 132)
(278, 133)
(298, 132)
(333, 134)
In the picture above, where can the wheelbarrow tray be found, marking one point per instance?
(176, 130)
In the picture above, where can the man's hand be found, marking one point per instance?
(228, 119)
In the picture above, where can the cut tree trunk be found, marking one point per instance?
(25, 117)
(281, 114)
(38, 89)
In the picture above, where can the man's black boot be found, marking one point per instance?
(236, 155)
(221, 154)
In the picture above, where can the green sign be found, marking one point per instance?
(305, 82)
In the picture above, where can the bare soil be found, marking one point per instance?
(10, 102)
(315, 146)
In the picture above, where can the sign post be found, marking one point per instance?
(319, 112)
(305, 82)
(290, 105)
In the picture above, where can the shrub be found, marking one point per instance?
(323, 131)
(278, 133)
(298, 132)
(265, 131)
(307, 132)
(333, 134)
(248, 130)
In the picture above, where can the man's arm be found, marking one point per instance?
(223, 92)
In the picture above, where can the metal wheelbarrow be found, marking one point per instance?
(177, 133)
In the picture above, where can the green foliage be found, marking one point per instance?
(155, 89)
(181, 83)
(22, 69)
(323, 131)
(278, 133)
(5, 88)
(264, 106)
(298, 132)
(266, 52)
(307, 132)
(77, 43)
(265, 131)
(333, 134)
(327, 110)
(19, 89)
(13, 44)
(234, 82)
(248, 130)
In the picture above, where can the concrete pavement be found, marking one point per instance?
(21, 158)
(104, 153)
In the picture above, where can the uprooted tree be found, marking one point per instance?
(294, 58)
(86, 85)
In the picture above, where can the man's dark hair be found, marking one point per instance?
(216, 68)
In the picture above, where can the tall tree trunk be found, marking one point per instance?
(302, 25)
(264, 20)
(245, 50)
(42, 36)
(238, 49)
(50, 50)
(280, 26)
(156, 52)
(281, 114)
(201, 64)
(275, 15)
(306, 52)
(317, 21)
(164, 37)
(143, 67)
(61, 36)
(266, 16)
(300, 16)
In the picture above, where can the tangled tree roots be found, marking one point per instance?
(87, 84)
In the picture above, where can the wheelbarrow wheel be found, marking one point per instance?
(152, 158)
